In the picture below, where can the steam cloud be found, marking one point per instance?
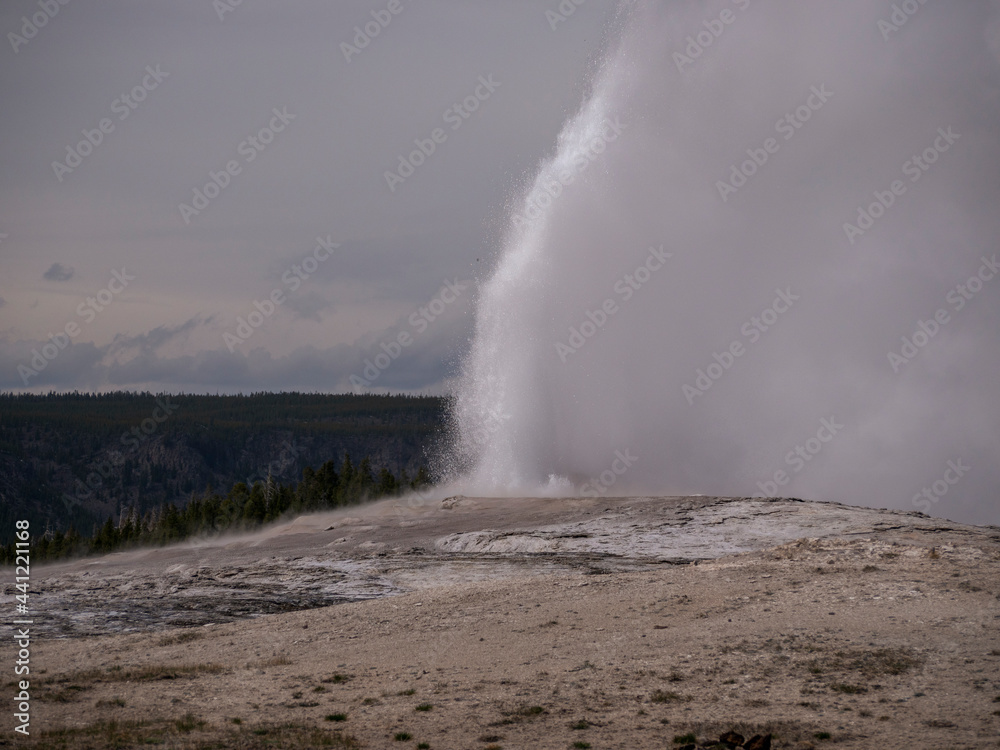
(723, 149)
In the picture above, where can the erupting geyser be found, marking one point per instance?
(761, 260)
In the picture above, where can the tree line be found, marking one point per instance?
(210, 513)
(67, 459)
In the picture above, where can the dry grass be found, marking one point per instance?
(138, 674)
(873, 663)
(784, 733)
(518, 715)
(191, 733)
(668, 696)
(274, 661)
(67, 688)
(185, 636)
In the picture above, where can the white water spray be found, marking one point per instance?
(679, 285)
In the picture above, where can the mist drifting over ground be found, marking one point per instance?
(745, 268)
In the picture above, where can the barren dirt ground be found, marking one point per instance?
(476, 623)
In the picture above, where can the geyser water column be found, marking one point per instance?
(756, 206)
(502, 409)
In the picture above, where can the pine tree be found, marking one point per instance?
(327, 483)
(346, 471)
(364, 478)
(270, 489)
(386, 482)
(255, 507)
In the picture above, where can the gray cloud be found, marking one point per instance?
(158, 337)
(58, 272)
(309, 305)
(212, 89)
(139, 361)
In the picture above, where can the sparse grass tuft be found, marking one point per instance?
(840, 687)
(873, 663)
(822, 735)
(168, 672)
(424, 707)
(185, 636)
(274, 661)
(517, 715)
(119, 702)
(67, 695)
(336, 717)
(171, 733)
(882, 661)
(188, 723)
(145, 673)
(337, 679)
(411, 691)
(685, 739)
(668, 696)
(402, 736)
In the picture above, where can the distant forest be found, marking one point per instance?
(242, 508)
(70, 462)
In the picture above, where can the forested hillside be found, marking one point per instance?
(76, 459)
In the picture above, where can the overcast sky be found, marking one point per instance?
(350, 105)
(312, 195)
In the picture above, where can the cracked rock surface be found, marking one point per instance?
(392, 547)
(531, 623)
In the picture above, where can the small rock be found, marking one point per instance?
(450, 502)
